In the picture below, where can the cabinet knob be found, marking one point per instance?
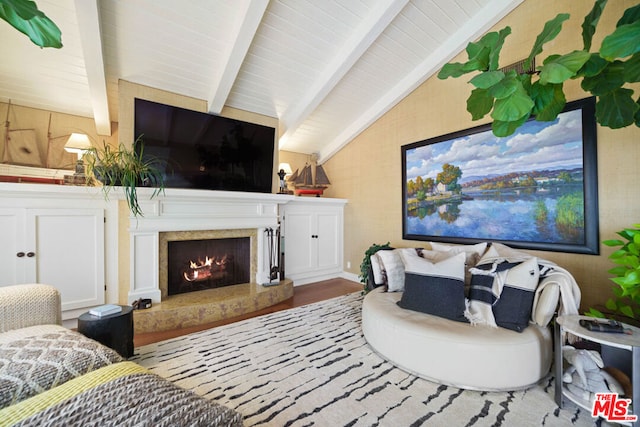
(20, 254)
(31, 254)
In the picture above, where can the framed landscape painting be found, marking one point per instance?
(535, 189)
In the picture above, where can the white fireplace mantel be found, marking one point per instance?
(192, 210)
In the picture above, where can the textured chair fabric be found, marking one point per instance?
(27, 305)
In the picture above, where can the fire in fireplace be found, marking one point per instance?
(195, 265)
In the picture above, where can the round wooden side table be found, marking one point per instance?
(114, 331)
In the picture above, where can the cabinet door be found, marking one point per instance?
(300, 246)
(12, 266)
(69, 253)
(328, 251)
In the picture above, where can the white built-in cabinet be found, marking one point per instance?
(313, 230)
(56, 238)
(60, 247)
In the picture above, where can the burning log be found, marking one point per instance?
(204, 270)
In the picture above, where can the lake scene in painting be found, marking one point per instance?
(527, 187)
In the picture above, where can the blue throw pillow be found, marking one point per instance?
(435, 288)
(502, 293)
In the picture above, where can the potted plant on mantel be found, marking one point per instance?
(128, 168)
(625, 305)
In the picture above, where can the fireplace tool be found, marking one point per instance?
(273, 242)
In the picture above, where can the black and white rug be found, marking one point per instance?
(312, 366)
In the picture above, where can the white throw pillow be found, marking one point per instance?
(435, 266)
(394, 269)
(472, 255)
(472, 252)
(546, 303)
(376, 268)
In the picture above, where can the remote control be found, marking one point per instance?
(611, 326)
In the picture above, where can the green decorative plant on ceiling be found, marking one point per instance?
(626, 301)
(24, 16)
(511, 97)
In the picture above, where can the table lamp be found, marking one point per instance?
(78, 143)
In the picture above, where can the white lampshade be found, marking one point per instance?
(286, 167)
(77, 143)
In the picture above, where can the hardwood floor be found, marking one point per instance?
(302, 295)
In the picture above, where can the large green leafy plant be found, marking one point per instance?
(25, 17)
(511, 97)
(626, 299)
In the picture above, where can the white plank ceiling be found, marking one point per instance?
(326, 69)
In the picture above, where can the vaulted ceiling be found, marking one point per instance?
(326, 69)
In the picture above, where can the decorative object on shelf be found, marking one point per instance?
(311, 180)
(24, 149)
(56, 154)
(284, 171)
(585, 375)
(78, 143)
(129, 168)
(616, 370)
(512, 96)
(625, 305)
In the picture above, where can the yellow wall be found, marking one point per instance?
(373, 184)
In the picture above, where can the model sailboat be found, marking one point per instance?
(306, 182)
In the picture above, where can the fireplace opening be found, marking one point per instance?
(196, 265)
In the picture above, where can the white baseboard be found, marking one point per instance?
(350, 276)
(299, 281)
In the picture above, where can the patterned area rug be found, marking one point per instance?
(312, 366)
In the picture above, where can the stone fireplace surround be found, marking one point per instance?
(174, 236)
(182, 214)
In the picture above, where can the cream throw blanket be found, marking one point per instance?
(550, 275)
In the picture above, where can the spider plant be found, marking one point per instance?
(128, 168)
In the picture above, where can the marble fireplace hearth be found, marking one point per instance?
(202, 307)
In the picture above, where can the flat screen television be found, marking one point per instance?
(205, 151)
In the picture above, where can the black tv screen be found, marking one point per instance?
(204, 151)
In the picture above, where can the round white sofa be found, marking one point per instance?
(455, 353)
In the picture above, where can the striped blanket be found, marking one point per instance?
(121, 394)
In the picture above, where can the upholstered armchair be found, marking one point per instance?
(28, 305)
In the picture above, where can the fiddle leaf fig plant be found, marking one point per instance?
(25, 17)
(512, 97)
(626, 299)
